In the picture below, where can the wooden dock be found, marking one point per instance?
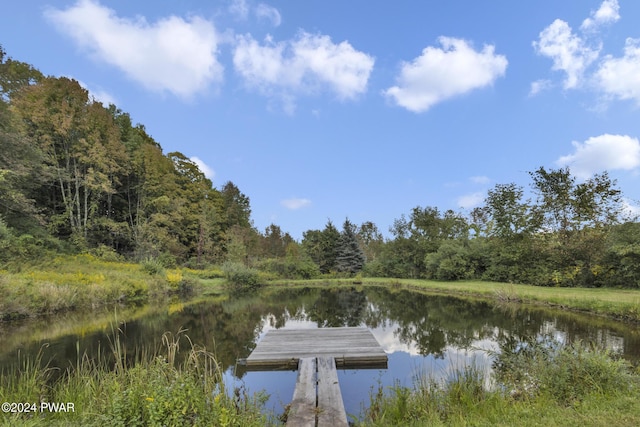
(317, 400)
(355, 348)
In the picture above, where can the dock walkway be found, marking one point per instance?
(317, 400)
(350, 347)
(316, 353)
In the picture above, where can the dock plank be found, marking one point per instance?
(331, 411)
(302, 410)
(350, 347)
(316, 353)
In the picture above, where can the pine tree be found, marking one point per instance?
(350, 256)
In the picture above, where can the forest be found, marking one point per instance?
(79, 177)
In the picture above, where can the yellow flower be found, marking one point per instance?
(150, 399)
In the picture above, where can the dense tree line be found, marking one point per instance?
(78, 176)
(571, 234)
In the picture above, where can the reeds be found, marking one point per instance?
(535, 383)
(177, 384)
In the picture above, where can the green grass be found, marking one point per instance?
(571, 387)
(159, 389)
(84, 281)
(621, 304)
(542, 386)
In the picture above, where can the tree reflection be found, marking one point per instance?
(431, 324)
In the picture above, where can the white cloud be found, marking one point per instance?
(439, 74)
(607, 13)
(103, 96)
(204, 168)
(472, 200)
(539, 86)
(172, 54)
(620, 77)
(630, 209)
(600, 153)
(480, 179)
(295, 203)
(573, 54)
(568, 51)
(304, 65)
(264, 11)
(98, 94)
(239, 8)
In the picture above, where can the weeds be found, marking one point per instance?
(565, 374)
(171, 386)
(536, 382)
(68, 283)
(507, 294)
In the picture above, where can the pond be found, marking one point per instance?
(422, 334)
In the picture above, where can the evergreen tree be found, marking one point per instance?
(350, 257)
(322, 246)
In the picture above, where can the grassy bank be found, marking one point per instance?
(533, 384)
(67, 283)
(152, 388)
(618, 303)
(84, 281)
(623, 304)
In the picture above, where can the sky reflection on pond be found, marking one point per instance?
(422, 334)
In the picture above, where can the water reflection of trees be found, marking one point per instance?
(431, 323)
(428, 323)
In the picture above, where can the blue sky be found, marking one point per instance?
(326, 109)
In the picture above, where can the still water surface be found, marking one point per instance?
(422, 334)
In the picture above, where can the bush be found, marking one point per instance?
(450, 262)
(105, 253)
(564, 373)
(209, 273)
(373, 269)
(240, 278)
(290, 269)
(153, 266)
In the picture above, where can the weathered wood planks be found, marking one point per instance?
(302, 410)
(331, 411)
(350, 347)
(317, 400)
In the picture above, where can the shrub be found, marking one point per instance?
(240, 278)
(153, 266)
(564, 373)
(290, 268)
(209, 273)
(373, 269)
(106, 253)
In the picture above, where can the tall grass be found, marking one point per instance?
(84, 281)
(535, 383)
(170, 386)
